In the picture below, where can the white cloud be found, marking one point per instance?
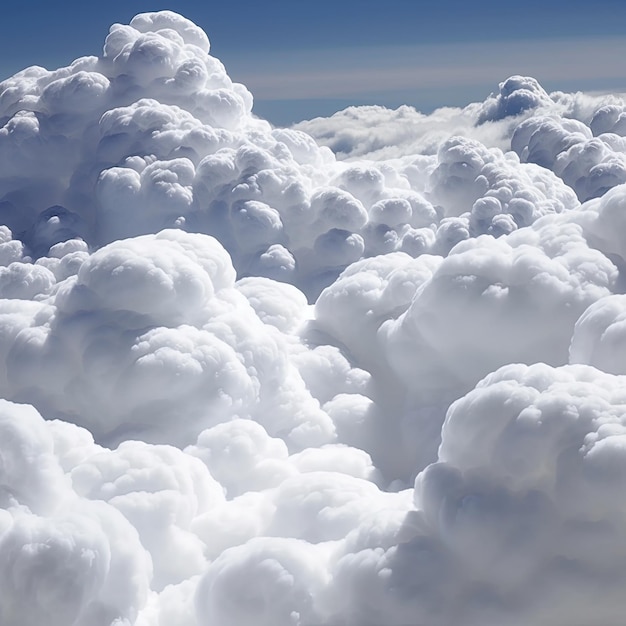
(421, 422)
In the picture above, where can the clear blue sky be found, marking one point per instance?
(303, 58)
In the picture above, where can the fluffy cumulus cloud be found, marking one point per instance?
(366, 370)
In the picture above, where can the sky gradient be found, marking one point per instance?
(306, 59)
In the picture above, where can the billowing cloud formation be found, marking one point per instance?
(250, 379)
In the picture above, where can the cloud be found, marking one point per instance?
(247, 378)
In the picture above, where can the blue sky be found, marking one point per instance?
(303, 58)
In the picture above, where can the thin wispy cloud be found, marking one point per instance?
(377, 70)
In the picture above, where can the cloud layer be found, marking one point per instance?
(364, 371)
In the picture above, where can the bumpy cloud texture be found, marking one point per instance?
(367, 370)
